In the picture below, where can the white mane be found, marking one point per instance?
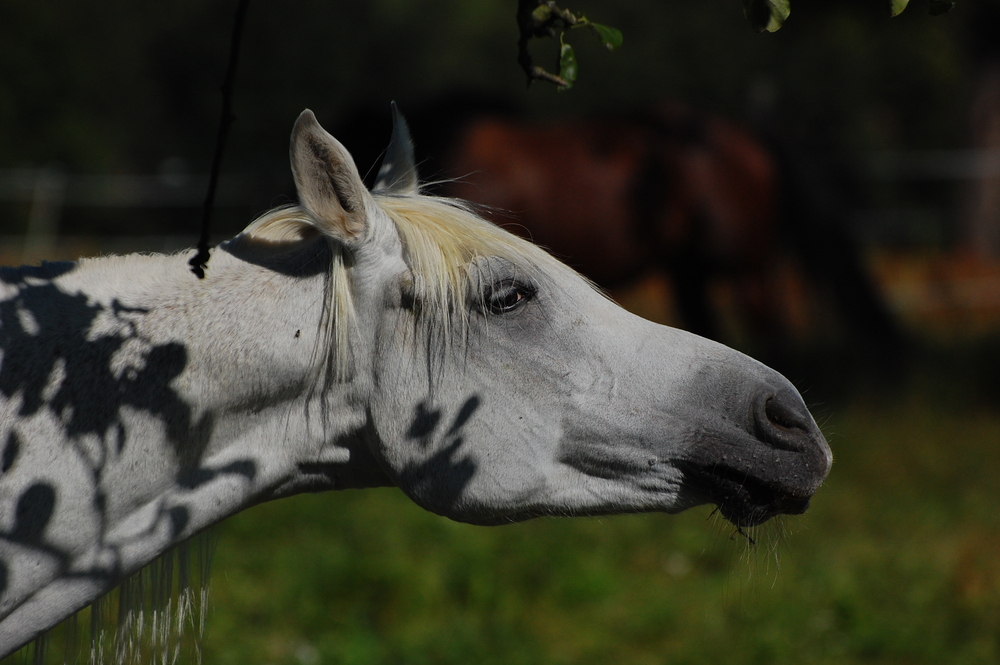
(441, 237)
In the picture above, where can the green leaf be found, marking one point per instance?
(541, 14)
(766, 14)
(610, 37)
(567, 65)
(897, 6)
(939, 7)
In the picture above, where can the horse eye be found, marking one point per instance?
(506, 296)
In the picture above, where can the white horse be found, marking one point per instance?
(359, 339)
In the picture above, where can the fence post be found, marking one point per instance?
(43, 221)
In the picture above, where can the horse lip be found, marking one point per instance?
(742, 498)
(747, 490)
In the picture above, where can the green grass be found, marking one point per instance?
(898, 561)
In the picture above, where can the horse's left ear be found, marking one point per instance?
(398, 174)
(327, 181)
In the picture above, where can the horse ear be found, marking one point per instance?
(327, 181)
(398, 174)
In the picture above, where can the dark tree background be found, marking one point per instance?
(124, 87)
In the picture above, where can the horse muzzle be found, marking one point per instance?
(772, 464)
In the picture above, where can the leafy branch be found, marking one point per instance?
(538, 19)
(543, 18)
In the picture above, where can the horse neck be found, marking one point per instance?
(139, 405)
(231, 373)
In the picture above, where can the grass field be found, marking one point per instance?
(898, 561)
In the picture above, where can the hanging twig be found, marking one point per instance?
(199, 262)
(543, 18)
(532, 26)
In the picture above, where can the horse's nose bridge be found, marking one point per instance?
(724, 384)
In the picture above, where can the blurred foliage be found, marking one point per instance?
(124, 86)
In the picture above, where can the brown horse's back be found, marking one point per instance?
(671, 191)
(567, 186)
(615, 197)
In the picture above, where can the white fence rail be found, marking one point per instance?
(968, 164)
(49, 190)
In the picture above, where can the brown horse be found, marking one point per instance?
(691, 195)
(672, 189)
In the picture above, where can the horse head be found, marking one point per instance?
(500, 385)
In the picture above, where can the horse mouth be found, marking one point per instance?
(742, 499)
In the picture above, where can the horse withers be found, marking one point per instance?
(358, 339)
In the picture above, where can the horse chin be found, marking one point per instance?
(742, 499)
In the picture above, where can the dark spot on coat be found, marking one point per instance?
(10, 452)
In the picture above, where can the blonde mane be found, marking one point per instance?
(441, 238)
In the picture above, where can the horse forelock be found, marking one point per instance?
(290, 224)
(441, 238)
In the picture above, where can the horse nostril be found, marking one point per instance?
(784, 415)
(783, 421)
